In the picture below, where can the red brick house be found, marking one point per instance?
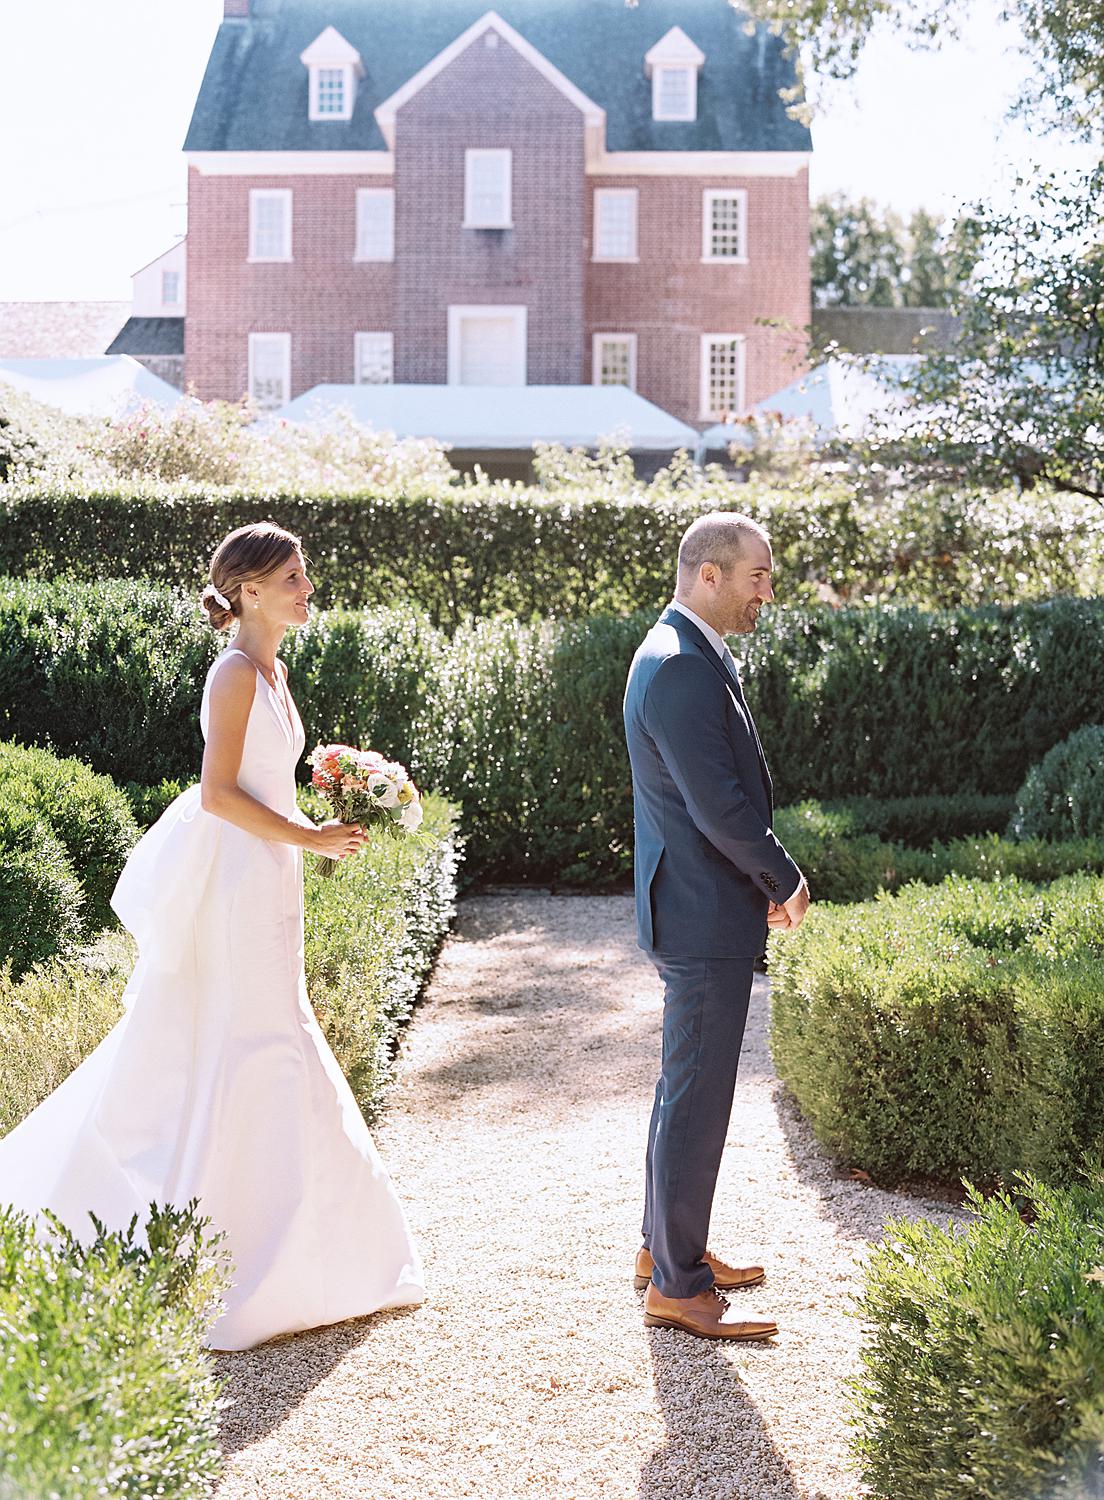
(553, 192)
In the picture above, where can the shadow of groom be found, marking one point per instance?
(717, 1445)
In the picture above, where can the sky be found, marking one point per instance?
(95, 98)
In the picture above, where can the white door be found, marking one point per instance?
(487, 345)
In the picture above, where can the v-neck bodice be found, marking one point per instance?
(273, 744)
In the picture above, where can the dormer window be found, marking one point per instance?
(673, 65)
(334, 66)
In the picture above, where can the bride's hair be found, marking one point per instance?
(250, 552)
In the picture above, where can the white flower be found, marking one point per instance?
(383, 790)
(411, 817)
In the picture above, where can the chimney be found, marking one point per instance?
(235, 10)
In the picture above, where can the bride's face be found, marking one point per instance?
(283, 596)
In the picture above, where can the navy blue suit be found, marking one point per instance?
(707, 866)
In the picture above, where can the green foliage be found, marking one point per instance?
(1063, 795)
(983, 1364)
(919, 822)
(87, 813)
(147, 803)
(42, 903)
(51, 1018)
(372, 933)
(949, 1029)
(522, 723)
(606, 546)
(866, 256)
(105, 1386)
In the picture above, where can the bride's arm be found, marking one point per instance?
(230, 700)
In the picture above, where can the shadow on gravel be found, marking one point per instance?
(264, 1386)
(717, 1445)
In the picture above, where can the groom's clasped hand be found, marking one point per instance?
(788, 916)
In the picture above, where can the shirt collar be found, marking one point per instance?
(715, 640)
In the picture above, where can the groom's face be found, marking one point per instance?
(745, 588)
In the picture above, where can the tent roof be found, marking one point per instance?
(838, 397)
(506, 418)
(89, 387)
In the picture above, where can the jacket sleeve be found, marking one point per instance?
(685, 712)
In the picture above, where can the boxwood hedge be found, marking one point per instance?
(983, 1361)
(522, 723)
(949, 1030)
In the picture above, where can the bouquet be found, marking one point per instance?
(362, 787)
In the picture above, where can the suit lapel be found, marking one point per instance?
(731, 678)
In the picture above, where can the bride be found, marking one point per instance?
(217, 1084)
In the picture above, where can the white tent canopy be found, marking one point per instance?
(503, 418)
(838, 397)
(105, 387)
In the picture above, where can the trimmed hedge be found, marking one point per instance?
(1063, 796)
(983, 1363)
(42, 902)
(949, 1030)
(86, 813)
(603, 545)
(105, 1386)
(842, 865)
(522, 724)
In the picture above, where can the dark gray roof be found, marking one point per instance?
(144, 336)
(254, 93)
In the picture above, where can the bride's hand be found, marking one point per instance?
(336, 839)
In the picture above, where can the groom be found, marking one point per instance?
(710, 879)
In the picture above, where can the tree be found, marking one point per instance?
(1064, 37)
(865, 256)
(1021, 394)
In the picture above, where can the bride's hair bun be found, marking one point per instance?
(216, 607)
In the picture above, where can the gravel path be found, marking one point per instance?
(516, 1137)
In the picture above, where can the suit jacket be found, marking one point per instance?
(707, 863)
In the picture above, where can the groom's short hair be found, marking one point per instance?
(720, 538)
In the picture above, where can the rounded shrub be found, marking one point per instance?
(1063, 796)
(41, 899)
(88, 814)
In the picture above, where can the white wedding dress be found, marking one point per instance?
(217, 1083)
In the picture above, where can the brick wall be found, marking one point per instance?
(669, 299)
(489, 97)
(321, 297)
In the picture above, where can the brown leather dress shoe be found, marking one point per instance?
(706, 1316)
(725, 1278)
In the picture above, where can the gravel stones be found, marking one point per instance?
(515, 1134)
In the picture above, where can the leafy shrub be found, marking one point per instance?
(41, 899)
(87, 813)
(105, 1386)
(982, 1370)
(919, 822)
(593, 540)
(522, 723)
(949, 1029)
(147, 803)
(372, 932)
(51, 1018)
(1063, 796)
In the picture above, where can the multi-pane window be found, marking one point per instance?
(724, 225)
(270, 369)
(374, 361)
(270, 224)
(722, 376)
(375, 224)
(488, 189)
(675, 93)
(614, 361)
(615, 223)
(170, 288)
(330, 96)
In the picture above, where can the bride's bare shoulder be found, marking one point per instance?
(233, 679)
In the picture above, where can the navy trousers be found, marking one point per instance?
(705, 1009)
